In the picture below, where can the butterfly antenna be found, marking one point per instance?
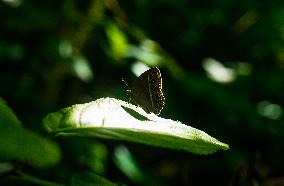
(125, 83)
(128, 91)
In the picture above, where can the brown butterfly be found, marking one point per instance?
(147, 91)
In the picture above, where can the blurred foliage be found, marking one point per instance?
(222, 66)
(26, 145)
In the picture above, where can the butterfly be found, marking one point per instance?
(147, 91)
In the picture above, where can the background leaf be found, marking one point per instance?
(16, 142)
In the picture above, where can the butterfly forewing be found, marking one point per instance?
(140, 93)
(147, 91)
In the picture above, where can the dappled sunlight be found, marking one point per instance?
(82, 68)
(269, 110)
(138, 68)
(65, 49)
(13, 3)
(216, 71)
(126, 163)
(147, 52)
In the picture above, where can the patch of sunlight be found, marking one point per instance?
(82, 68)
(13, 3)
(65, 49)
(147, 52)
(269, 110)
(118, 41)
(126, 163)
(138, 68)
(216, 71)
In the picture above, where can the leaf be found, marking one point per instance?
(126, 163)
(16, 142)
(87, 178)
(118, 41)
(108, 118)
(7, 115)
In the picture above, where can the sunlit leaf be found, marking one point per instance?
(109, 118)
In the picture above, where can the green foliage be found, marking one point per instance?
(222, 69)
(16, 142)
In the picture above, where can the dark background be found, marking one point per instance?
(45, 44)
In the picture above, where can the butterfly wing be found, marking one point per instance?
(140, 92)
(147, 91)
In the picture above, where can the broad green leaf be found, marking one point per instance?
(119, 120)
(16, 142)
(7, 115)
(87, 178)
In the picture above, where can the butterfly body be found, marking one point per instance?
(147, 91)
